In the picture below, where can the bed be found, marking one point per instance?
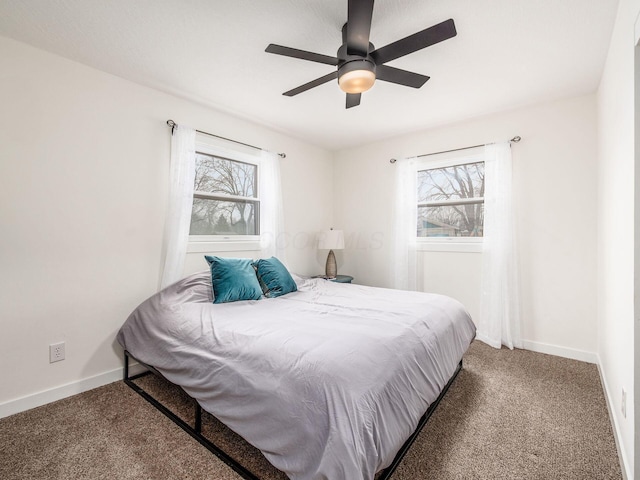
(328, 381)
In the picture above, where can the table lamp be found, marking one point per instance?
(331, 240)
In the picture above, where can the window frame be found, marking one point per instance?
(449, 244)
(227, 243)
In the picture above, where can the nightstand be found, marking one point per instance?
(342, 279)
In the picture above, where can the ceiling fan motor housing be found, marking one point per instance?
(351, 63)
(356, 63)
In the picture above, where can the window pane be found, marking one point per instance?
(219, 175)
(215, 217)
(451, 221)
(458, 181)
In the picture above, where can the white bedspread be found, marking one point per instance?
(328, 382)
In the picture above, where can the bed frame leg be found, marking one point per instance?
(198, 422)
(126, 367)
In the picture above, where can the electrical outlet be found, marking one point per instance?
(624, 403)
(56, 352)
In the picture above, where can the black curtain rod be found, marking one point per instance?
(515, 139)
(173, 125)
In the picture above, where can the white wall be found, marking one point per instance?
(555, 185)
(615, 215)
(83, 188)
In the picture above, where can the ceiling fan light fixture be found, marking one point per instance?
(357, 81)
(357, 76)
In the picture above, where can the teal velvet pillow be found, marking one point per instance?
(233, 279)
(274, 277)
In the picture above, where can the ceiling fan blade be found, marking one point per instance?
(353, 99)
(313, 83)
(301, 54)
(417, 41)
(401, 77)
(359, 26)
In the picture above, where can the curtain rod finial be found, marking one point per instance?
(393, 160)
(516, 139)
(282, 155)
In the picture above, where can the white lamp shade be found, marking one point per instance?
(331, 240)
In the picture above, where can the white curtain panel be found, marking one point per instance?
(405, 226)
(272, 237)
(178, 218)
(499, 322)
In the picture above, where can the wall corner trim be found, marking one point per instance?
(636, 30)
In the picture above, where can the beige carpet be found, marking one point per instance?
(508, 415)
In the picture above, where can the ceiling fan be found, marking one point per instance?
(359, 62)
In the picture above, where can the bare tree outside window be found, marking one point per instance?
(451, 201)
(225, 199)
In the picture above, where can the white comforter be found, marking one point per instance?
(328, 382)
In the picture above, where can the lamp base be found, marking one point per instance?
(331, 269)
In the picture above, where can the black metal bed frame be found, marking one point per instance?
(196, 430)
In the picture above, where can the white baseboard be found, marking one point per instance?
(558, 351)
(58, 393)
(624, 462)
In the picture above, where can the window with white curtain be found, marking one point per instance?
(237, 200)
(221, 199)
(454, 180)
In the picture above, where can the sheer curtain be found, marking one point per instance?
(272, 238)
(405, 215)
(499, 322)
(178, 218)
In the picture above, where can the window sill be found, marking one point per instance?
(449, 246)
(224, 244)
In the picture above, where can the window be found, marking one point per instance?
(451, 201)
(225, 200)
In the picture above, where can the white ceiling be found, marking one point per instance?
(507, 53)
